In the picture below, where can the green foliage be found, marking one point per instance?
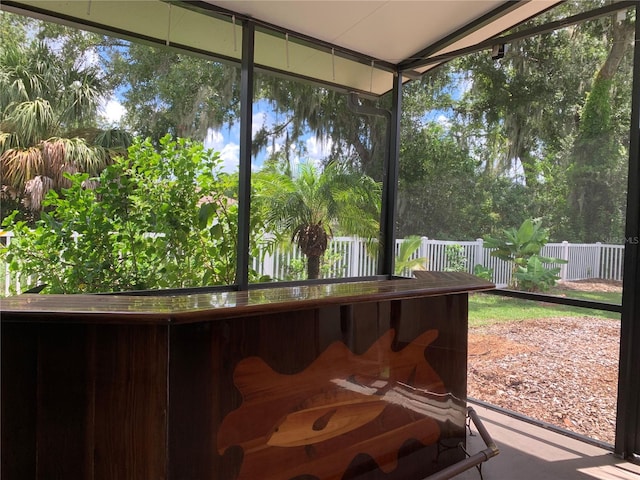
(456, 258)
(540, 133)
(483, 272)
(518, 245)
(48, 116)
(599, 162)
(434, 169)
(312, 204)
(522, 246)
(157, 219)
(297, 267)
(404, 260)
(535, 277)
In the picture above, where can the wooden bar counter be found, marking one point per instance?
(359, 380)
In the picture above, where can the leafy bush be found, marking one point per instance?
(483, 272)
(156, 219)
(296, 269)
(456, 258)
(535, 276)
(522, 246)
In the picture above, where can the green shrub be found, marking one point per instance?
(522, 247)
(456, 258)
(156, 219)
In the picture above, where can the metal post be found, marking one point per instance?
(386, 262)
(244, 189)
(627, 442)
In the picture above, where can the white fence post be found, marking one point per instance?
(424, 252)
(354, 261)
(479, 254)
(268, 266)
(565, 256)
(597, 261)
(7, 273)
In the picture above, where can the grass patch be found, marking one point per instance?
(608, 297)
(486, 309)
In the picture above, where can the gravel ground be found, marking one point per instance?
(563, 371)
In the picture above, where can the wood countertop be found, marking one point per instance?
(187, 308)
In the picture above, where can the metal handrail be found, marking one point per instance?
(490, 451)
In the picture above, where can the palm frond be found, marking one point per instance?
(35, 191)
(19, 165)
(6, 140)
(113, 138)
(54, 157)
(77, 153)
(35, 120)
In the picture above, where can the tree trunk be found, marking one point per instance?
(313, 267)
(596, 151)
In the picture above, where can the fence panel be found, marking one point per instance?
(350, 257)
(584, 262)
(612, 262)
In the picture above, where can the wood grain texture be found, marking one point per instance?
(83, 404)
(144, 310)
(92, 398)
(131, 402)
(315, 422)
(18, 406)
(62, 403)
(288, 344)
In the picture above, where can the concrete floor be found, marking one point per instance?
(528, 452)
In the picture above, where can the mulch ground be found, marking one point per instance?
(563, 371)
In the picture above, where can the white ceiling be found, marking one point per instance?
(389, 30)
(386, 33)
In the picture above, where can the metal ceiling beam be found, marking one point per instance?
(459, 34)
(530, 32)
(209, 9)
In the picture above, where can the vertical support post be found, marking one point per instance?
(564, 256)
(479, 253)
(424, 252)
(386, 261)
(244, 189)
(627, 440)
(7, 272)
(354, 257)
(597, 260)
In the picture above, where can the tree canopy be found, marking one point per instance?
(48, 122)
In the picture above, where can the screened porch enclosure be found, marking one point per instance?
(366, 56)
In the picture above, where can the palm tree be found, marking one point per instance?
(48, 111)
(309, 205)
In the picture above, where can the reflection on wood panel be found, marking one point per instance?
(314, 423)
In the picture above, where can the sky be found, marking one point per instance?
(226, 139)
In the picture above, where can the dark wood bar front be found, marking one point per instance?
(361, 380)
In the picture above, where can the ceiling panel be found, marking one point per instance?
(359, 42)
(389, 30)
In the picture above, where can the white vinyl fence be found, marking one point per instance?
(350, 257)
